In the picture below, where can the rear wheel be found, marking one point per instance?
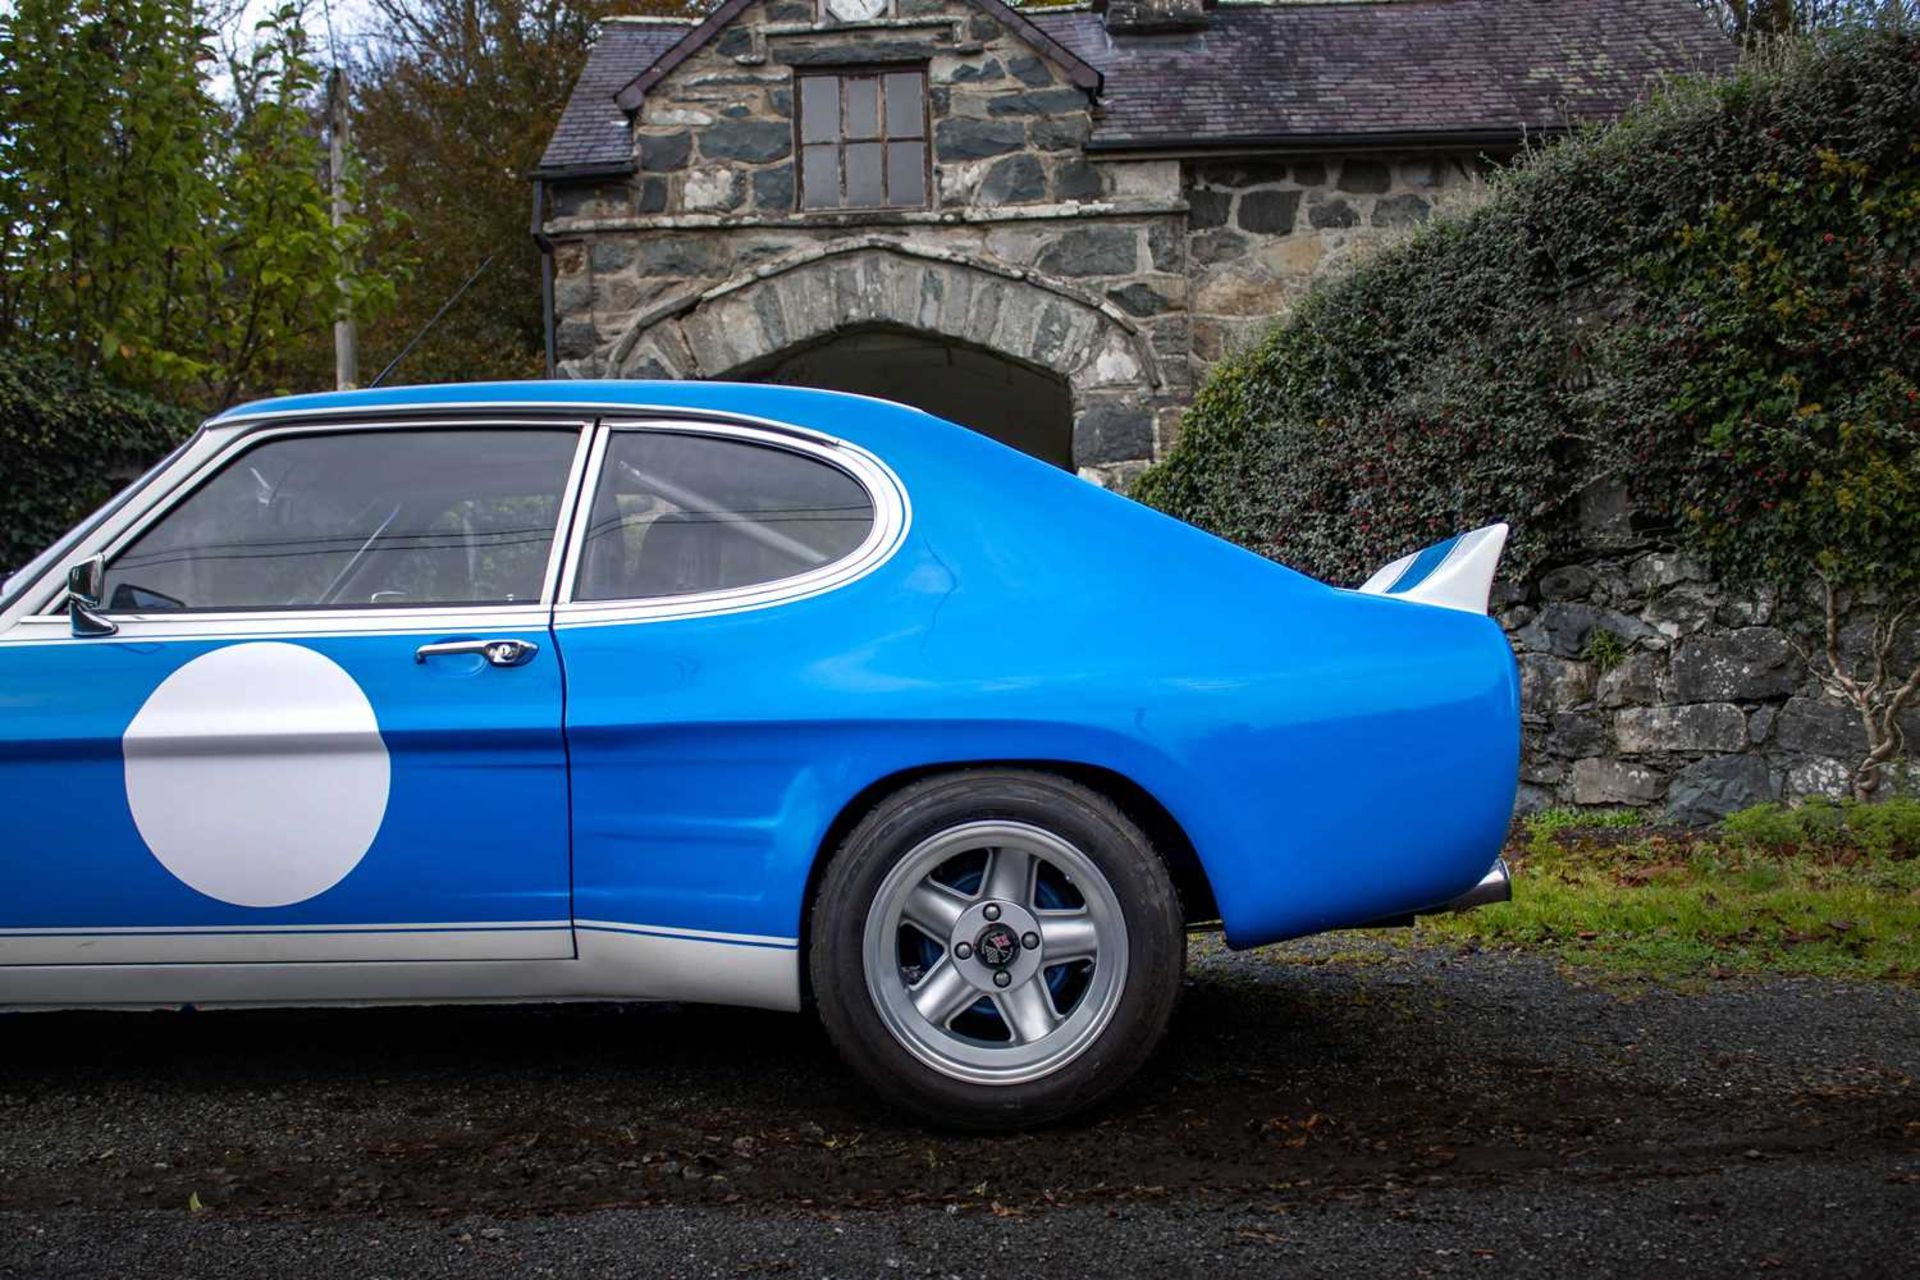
(996, 947)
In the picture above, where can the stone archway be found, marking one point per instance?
(1030, 409)
(821, 295)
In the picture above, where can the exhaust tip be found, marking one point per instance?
(1495, 886)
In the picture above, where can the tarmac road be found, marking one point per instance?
(1398, 1111)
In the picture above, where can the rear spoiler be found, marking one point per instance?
(1455, 574)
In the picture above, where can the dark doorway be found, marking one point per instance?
(1015, 403)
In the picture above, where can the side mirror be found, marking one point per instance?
(85, 583)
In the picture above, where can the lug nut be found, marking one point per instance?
(991, 912)
(1030, 940)
(1001, 978)
(963, 950)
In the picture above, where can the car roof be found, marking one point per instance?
(834, 413)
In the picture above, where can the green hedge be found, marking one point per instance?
(1716, 299)
(68, 441)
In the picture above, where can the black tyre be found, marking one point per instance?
(997, 947)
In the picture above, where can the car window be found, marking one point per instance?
(677, 513)
(355, 519)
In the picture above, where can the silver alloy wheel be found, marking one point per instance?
(1014, 888)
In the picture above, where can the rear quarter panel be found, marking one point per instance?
(1334, 758)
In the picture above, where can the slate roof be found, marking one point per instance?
(594, 133)
(1338, 73)
(722, 16)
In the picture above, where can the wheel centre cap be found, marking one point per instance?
(997, 946)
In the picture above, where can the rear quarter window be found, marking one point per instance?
(677, 513)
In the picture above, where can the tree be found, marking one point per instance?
(105, 151)
(275, 273)
(1764, 19)
(1871, 681)
(453, 107)
(178, 242)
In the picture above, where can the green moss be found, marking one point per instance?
(1564, 818)
(1889, 829)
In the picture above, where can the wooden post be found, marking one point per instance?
(346, 338)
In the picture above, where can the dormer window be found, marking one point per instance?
(863, 140)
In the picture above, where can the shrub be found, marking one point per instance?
(1715, 301)
(68, 440)
(1604, 649)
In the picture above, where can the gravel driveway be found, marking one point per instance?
(1324, 1109)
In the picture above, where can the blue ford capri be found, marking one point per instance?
(743, 694)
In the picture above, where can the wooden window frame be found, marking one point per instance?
(841, 74)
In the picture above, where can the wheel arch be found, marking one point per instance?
(1162, 829)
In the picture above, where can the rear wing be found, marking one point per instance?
(1455, 574)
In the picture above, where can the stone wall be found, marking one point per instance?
(716, 136)
(1644, 684)
(1260, 231)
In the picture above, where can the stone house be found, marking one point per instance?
(1043, 223)
(1048, 223)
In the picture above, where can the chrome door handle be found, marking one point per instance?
(501, 653)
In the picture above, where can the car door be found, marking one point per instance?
(325, 724)
(707, 662)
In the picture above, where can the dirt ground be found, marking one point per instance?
(1326, 1108)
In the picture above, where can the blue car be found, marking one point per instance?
(742, 694)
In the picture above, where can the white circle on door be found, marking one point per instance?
(257, 775)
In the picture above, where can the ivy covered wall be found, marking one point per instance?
(1689, 339)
